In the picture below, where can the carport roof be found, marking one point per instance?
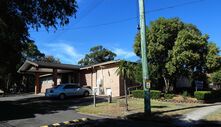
(31, 66)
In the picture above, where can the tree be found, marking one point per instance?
(31, 52)
(213, 60)
(16, 17)
(138, 75)
(216, 77)
(49, 59)
(161, 36)
(98, 54)
(126, 70)
(176, 49)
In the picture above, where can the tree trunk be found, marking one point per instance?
(125, 92)
(167, 84)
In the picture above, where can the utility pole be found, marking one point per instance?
(146, 82)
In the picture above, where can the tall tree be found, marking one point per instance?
(49, 59)
(126, 70)
(17, 16)
(161, 36)
(31, 52)
(174, 49)
(213, 60)
(188, 56)
(97, 54)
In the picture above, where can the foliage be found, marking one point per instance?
(216, 77)
(177, 49)
(202, 95)
(16, 17)
(185, 94)
(31, 52)
(168, 96)
(138, 93)
(213, 60)
(138, 75)
(154, 94)
(97, 54)
(49, 59)
(188, 53)
(125, 69)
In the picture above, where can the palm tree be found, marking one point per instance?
(126, 70)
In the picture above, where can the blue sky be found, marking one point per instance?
(70, 43)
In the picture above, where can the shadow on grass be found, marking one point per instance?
(159, 106)
(142, 120)
(27, 108)
(192, 107)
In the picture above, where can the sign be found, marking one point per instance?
(148, 84)
(199, 85)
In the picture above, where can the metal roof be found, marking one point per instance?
(30, 66)
(42, 67)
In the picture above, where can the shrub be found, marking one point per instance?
(138, 93)
(185, 94)
(154, 94)
(168, 96)
(202, 95)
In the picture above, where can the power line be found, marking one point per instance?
(135, 17)
(91, 9)
(174, 6)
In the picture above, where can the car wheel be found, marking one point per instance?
(62, 96)
(86, 93)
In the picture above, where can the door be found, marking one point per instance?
(69, 90)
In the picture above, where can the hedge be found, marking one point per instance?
(168, 96)
(154, 94)
(202, 95)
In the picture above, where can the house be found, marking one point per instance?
(102, 76)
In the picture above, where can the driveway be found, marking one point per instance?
(33, 110)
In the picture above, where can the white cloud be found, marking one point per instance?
(124, 53)
(62, 50)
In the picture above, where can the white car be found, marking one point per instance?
(1, 92)
(66, 90)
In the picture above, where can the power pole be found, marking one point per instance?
(146, 82)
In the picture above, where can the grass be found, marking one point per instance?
(216, 116)
(117, 108)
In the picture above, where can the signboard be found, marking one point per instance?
(148, 84)
(199, 85)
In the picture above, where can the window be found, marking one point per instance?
(71, 86)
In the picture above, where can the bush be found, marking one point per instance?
(168, 96)
(185, 94)
(154, 94)
(138, 93)
(202, 95)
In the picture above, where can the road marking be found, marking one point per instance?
(67, 122)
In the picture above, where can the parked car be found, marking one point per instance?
(1, 92)
(66, 90)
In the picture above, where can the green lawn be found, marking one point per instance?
(117, 108)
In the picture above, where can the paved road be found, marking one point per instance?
(195, 118)
(202, 112)
(34, 111)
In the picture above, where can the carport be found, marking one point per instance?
(41, 68)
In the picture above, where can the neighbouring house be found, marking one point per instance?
(102, 76)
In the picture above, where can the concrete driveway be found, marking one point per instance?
(34, 110)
